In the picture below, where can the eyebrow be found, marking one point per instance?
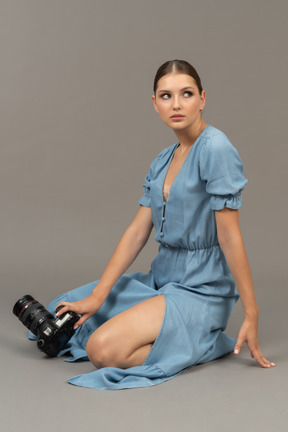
(184, 88)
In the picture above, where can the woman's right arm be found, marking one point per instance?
(131, 243)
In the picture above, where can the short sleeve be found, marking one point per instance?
(221, 168)
(145, 200)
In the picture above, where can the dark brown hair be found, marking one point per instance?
(177, 66)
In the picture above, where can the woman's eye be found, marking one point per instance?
(188, 94)
(165, 96)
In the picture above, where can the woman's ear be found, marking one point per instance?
(154, 103)
(203, 99)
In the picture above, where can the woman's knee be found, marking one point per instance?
(96, 350)
(113, 343)
(99, 351)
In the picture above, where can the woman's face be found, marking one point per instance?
(178, 101)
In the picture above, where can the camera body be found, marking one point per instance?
(53, 333)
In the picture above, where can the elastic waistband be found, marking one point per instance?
(208, 248)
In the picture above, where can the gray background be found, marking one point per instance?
(78, 133)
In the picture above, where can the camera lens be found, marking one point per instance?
(31, 313)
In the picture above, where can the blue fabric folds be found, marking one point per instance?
(222, 170)
(190, 269)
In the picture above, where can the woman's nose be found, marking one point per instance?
(176, 103)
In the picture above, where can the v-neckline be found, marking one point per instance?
(171, 158)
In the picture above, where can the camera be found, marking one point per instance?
(53, 333)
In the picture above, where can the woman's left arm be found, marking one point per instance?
(231, 243)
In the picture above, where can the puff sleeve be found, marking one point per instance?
(145, 200)
(221, 168)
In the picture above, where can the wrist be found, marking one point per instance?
(100, 293)
(251, 314)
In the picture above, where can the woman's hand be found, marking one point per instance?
(86, 308)
(249, 333)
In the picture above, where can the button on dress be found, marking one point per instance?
(190, 269)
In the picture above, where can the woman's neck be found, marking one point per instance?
(187, 138)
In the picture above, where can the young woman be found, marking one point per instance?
(142, 329)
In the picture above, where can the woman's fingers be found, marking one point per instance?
(66, 307)
(239, 344)
(257, 354)
(81, 321)
(248, 334)
(76, 308)
(86, 308)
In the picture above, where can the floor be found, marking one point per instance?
(229, 394)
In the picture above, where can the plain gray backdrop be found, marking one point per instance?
(78, 134)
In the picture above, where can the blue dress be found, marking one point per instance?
(190, 269)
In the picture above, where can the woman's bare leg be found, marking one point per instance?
(126, 339)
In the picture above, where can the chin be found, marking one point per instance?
(178, 126)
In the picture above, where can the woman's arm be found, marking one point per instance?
(131, 243)
(231, 243)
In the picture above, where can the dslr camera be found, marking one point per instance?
(53, 333)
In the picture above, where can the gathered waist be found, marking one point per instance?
(202, 268)
(190, 249)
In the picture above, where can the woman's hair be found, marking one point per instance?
(177, 66)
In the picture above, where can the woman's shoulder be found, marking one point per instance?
(165, 153)
(216, 140)
(161, 159)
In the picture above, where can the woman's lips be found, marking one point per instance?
(177, 117)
